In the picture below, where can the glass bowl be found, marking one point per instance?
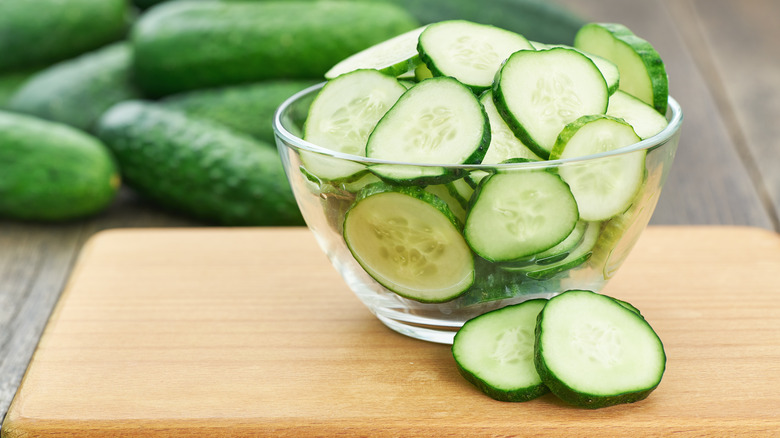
(325, 195)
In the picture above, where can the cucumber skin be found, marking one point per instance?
(38, 33)
(180, 46)
(201, 169)
(77, 91)
(50, 172)
(246, 108)
(572, 128)
(652, 60)
(519, 395)
(567, 394)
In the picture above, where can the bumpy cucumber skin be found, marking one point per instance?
(180, 46)
(38, 33)
(566, 393)
(517, 395)
(50, 172)
(204, 170)
(656, 70)
(77, 91)
(246, 108)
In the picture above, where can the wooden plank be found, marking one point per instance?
(709, 183)
(230, 332)
(739, 53)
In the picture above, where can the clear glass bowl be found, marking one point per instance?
(324, 203)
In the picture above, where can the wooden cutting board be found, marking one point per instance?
(250, 332)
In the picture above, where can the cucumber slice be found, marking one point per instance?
(607, 68)
(504, 145)
(518, 214)
(468, 52)
(409, 241)
(462, 191)
(646, 121)
(341, 118)
(392, 57)
(561, 250)
(537, 93)
(495, 352)
(593, 352)
(603, 187)
(642, 72)
(443, 192)
(575, 257)
(438, 121)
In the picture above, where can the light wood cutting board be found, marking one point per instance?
(251, 332)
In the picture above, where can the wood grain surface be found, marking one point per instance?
(722, 59)
(239, 333)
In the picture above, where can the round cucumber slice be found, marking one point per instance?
(646, 121)
(607, 68)
(603, 187)
(593, 352)
(537, 93)
(495, 351)
(392, 57)
(518, 214)
(642, 72)
(408, 240)
(469, 52)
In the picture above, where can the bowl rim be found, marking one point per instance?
(674, 111)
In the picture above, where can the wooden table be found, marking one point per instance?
(724, 68)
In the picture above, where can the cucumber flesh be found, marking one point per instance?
(645, 120)
(408, 241)
(494, 352)
(469, 52)
(607, 68)
(393, 57)
(642, 72)
(504, 145)
(607, 186)
(341, 118)
(593, 352)
(438, 121)
(538, 93)
(518, 214)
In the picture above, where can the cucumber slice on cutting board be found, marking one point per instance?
(606, 186)
(495, 352)
(392, 57)
(537, 93)
(642, 72)
(341, 118)
(518, 214)
(409, 241)
(469, 52)
(593, 352)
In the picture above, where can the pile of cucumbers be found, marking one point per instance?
(174, 99)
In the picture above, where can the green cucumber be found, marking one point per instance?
(409, 241)
(438, 121)
(41, 32)
(642, 72)
(10, 83)
(202, 169)
(392, 57)
(342, 117)
(518, 214)
(645, 120)
(247, 108)
(537, 93)
(467, 51)
(603, 187)
(79, 90)
(51, 172)
(183, 45)
(495, 352)
(593, 352)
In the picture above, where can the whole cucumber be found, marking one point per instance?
(180, 46)
(202, 169)
(52, 172)
(36, 33)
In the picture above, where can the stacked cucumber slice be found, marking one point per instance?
(431, 118)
